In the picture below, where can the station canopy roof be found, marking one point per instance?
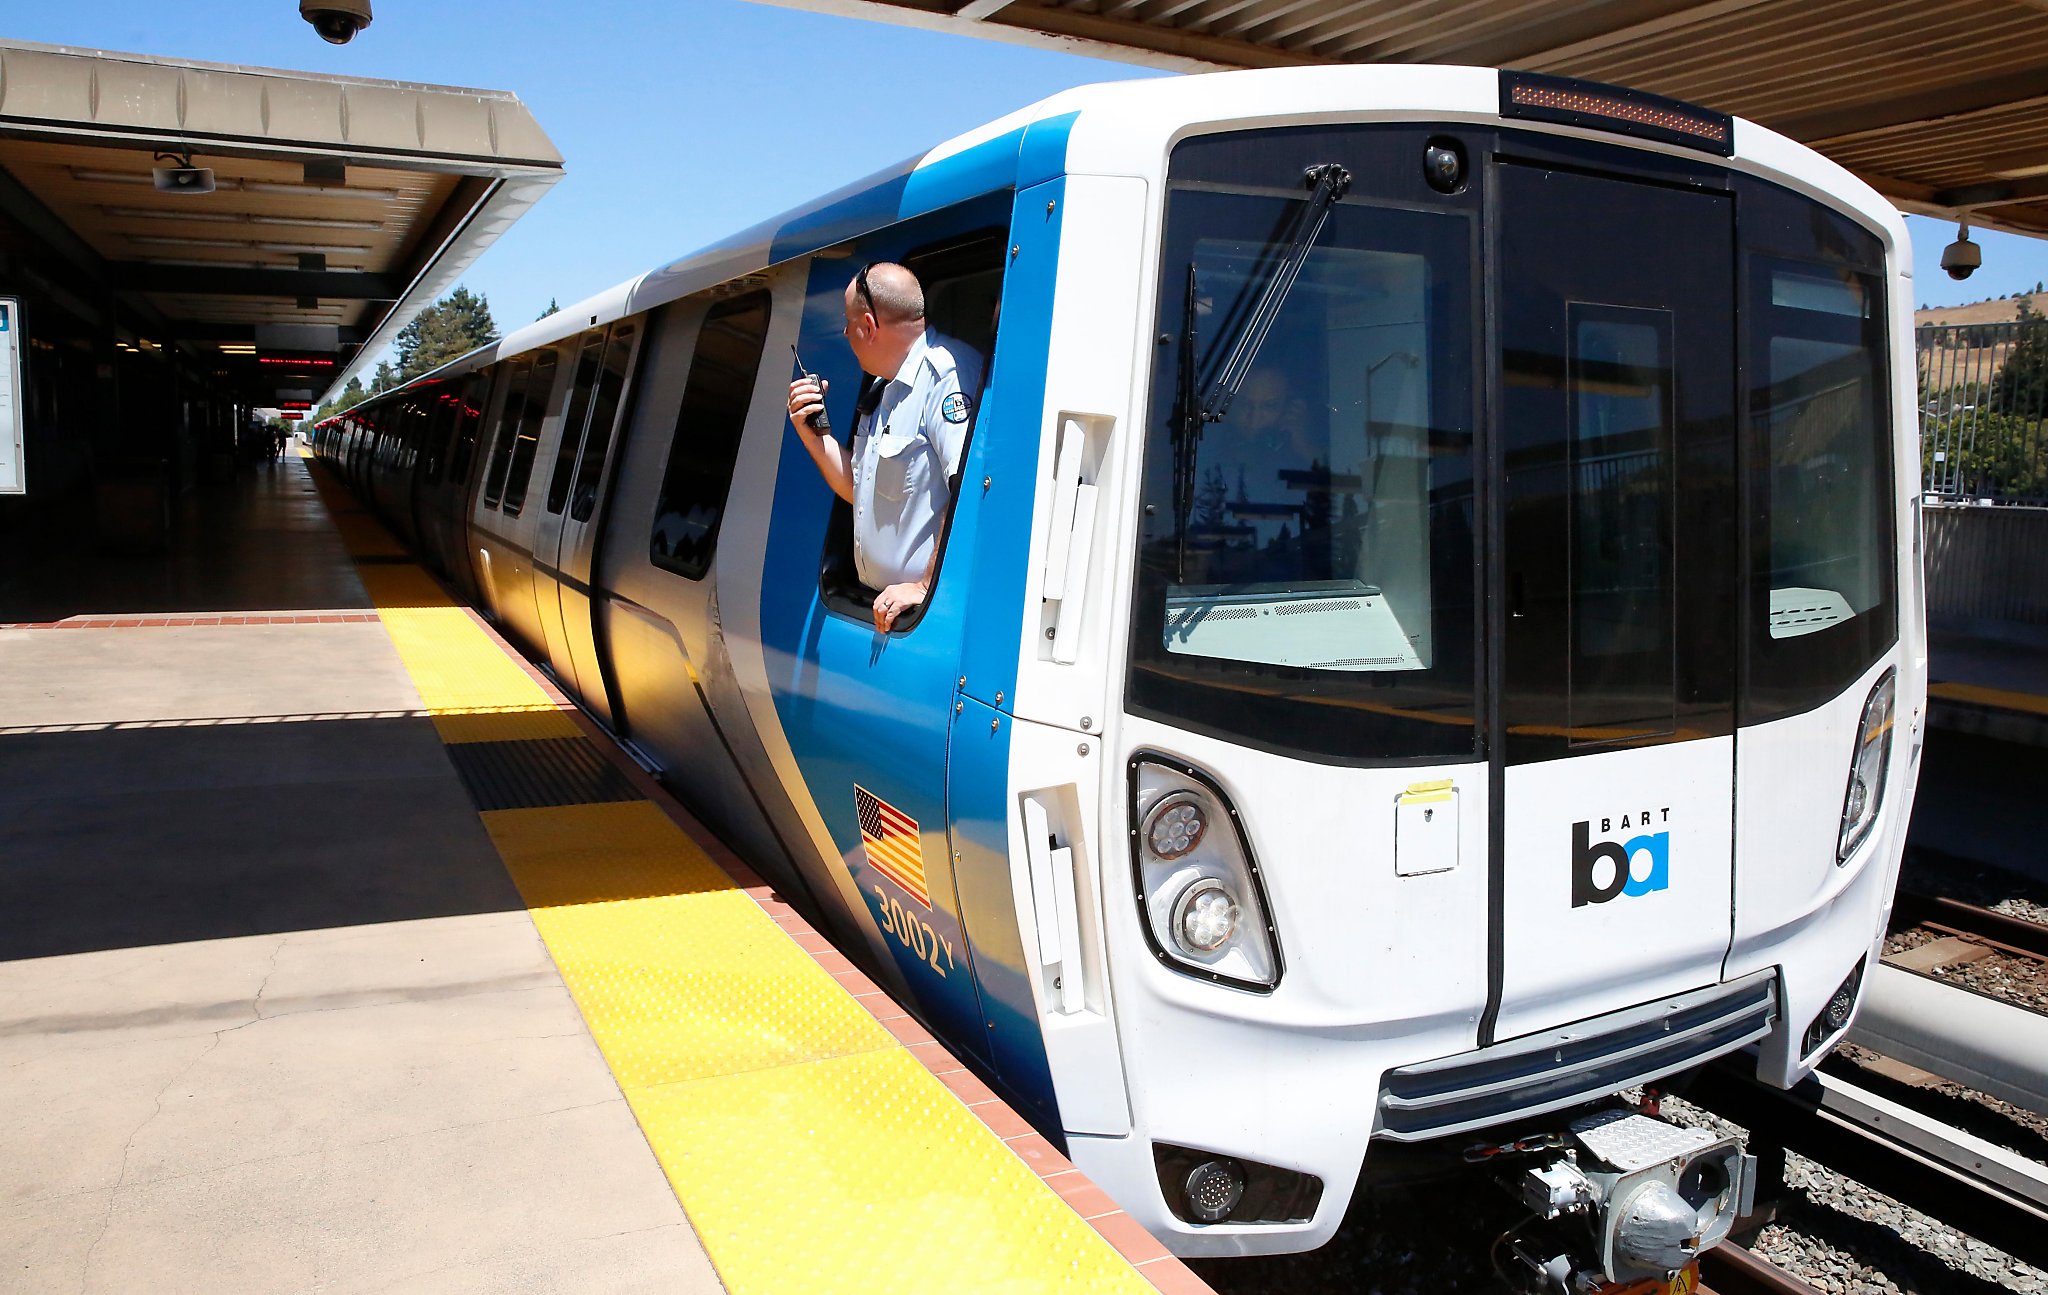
(340, 207)
(1940, 105)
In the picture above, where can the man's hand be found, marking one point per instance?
(806, 401)
(895, 600)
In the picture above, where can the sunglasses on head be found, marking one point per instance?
(860, 285)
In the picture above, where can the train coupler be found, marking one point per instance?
(1623, 1201)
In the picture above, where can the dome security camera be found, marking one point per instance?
(1962, 257)
(337, 21)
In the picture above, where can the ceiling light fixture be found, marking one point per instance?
(321, 190)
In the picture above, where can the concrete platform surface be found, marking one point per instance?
(272, 1015)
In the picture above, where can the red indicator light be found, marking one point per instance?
(1589, 104)
(1600, 105)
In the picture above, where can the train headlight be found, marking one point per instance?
(1175, 826)
(1865, 795)
(1833, 1018)
(1212, 1190)
(1205, 917)
(1198, 883)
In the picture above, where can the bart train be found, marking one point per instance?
(1415, 647)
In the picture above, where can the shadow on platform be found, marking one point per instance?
(125, 836)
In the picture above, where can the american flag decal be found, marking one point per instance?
(890, 838)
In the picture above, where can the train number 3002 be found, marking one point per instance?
(915, 933)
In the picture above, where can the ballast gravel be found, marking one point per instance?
(1997, 1121)
(2023, 982)
(1832, 1232)
(1842, 1238)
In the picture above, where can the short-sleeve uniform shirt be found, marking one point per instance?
(904, 456)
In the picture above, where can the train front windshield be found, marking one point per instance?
(1308, 579)
(1306, 564)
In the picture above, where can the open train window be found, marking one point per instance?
(962, 277)
(723, 367)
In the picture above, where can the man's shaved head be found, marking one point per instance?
(897, 295)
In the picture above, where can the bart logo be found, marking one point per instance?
(1635, 866)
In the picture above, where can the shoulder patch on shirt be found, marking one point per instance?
(956, 407)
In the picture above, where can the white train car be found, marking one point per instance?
(1416, 647)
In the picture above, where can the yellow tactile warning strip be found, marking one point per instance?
(818, 1138)
(1995, 698)
(474, 691)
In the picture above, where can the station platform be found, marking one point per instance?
(1990, 687)
(339, 952)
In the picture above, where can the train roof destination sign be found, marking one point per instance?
(12, 477)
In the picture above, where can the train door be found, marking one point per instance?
(676, 575)
(460, 480)
(504, 526)
(1617, 612)
(870, 714)
(567, 536)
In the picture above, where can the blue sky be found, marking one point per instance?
(681, 121)
(686, 120)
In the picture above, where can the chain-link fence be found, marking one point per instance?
(1984, 411)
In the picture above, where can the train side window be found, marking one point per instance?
(572, 417)
(540, 384)
(506, 432)
(440, 422)
(962, 278)
(707, 435)
(412, 432)
(604, 415)
(1822, 605)
(469, 416)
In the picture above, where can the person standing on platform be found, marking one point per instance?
(910, 429)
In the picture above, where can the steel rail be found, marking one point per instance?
(2014, 935)
(1969, 1184)
(1730, 1269)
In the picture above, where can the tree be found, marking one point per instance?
(351, 396)
(385, 378)
(554, 307)
(1986, 455)
(452, 327)
(2021, 388)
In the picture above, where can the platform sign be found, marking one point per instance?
(12, 479)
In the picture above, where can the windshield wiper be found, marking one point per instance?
(1195, 409)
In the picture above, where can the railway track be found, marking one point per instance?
(1953, 1177)
(2007, 934)
(1730, 1269)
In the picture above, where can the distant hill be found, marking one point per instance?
(1982, 312)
